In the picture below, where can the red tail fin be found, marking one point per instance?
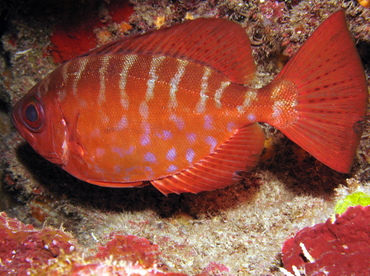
(332, 95)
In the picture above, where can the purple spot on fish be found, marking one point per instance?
(123, 123)
(190, 155)
(180, 124)
(172, 168)
(212, 142)
(146, 127)
(130, 150)
(122, 151)
(118, 150)
(117, 169)
(208, 122)
(165, 134)
(251, 118)
(98, 170)
(150, 157)
(149, 172)
(145, 139)
(100, 152)
(171, 154)
(230, 126)
(191, 137)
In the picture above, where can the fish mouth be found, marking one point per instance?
(55, 158)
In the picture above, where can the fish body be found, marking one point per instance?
(172, 107)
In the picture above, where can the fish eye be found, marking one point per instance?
(33, 115)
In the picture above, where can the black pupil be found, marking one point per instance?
(31, 113)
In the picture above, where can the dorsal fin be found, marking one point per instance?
(240, 153)
(217, 43)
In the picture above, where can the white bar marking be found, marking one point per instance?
(201, 105)
(219, 92)
(174, 83)
(102, 78)
(249, 97)
(153, 77)
(128, 62)
(81, 67)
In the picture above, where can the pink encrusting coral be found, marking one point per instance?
(122, 255)
(73, 37)
(22, 247)
(339, 247)
(25, 250)
(129, 248)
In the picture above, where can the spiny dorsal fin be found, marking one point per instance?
(217, 43)
(240, 153)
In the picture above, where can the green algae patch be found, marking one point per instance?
(357, 198)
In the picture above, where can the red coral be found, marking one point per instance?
(339, 248)
(75, 34)
(123, 255)
(129, 248)
(22, 247)
(120, 11)
(118, 270)
(70, 41)
(272, 10)
(25, 250)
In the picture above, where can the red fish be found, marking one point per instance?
(173, 107)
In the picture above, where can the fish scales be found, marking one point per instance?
(192, 120)
(176, 113)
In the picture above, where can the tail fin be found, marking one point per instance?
(332, 95)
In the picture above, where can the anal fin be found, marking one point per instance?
(240, 153)
(139, 184)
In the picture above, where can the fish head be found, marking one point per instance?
(39, 119)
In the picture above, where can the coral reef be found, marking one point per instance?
(234, 231)
(339, 247)
(23, 248)
(121, 255)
